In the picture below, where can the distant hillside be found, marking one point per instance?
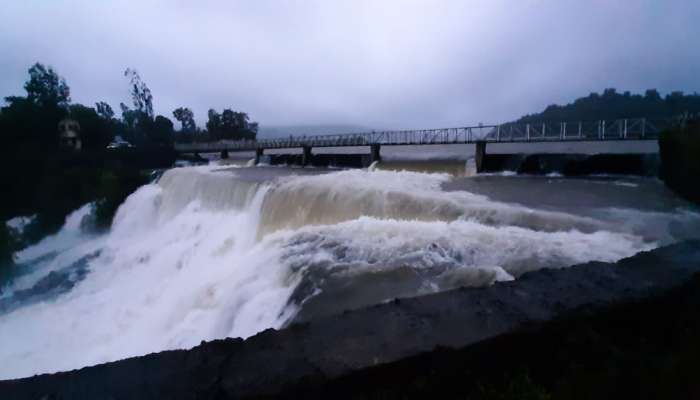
(308, 130)
(613, 105)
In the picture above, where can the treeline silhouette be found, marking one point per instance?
(43, 178)
(614, 105)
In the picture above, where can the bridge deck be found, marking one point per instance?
(616, 130)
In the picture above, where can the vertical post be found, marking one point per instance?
(544, 130)
(579, 129)
(527, 132)
(480, 155)
(563, 131)
(498, 133)
(224, 154)
(258, 153)
(306, 156)
(624, 133)
(644, 125)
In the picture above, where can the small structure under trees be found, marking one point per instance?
(69, 133)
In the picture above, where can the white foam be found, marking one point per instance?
(68, 236)
(460, 243)
(185, 260)
(346, 195)
(159, 283)
(627, 184)
(18, 224)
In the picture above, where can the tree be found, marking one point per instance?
(613, 105)
(229, 122)
(213, 123)
(231, 125)
(34, 118)
(140, 93)
(186, 118)
(104, 110)
(161, 131)
(46, 88)
(129, 116)
(29, 133)
(95, 131)
(652, 95)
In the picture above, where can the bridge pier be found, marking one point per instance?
(306, 156)
(375, 156)
(224, 154)
(480, 155)
(258, 153)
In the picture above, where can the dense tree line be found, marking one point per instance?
(614, 105)
(227, 125)
(679, 149)
(40, 177)
(31, 120)
(30, 139)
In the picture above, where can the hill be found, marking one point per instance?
(614, 105)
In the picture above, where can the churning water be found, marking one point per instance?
(208, 252)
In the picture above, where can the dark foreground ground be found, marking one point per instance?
(646, 349)
(624, 330)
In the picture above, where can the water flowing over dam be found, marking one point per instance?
(210, 252)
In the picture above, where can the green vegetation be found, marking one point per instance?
(231, 125)
(39, 172)
(227, 125)
(43, 178)
(613, 105)
(680, 159)
(679, 148)
(186, 118)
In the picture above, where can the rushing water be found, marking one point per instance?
(211, 252)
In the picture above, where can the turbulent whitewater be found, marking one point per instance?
(208, 253)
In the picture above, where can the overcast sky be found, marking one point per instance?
(384, 64)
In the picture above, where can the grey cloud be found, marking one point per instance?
(382, 64)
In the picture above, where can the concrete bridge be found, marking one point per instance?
(602, 130)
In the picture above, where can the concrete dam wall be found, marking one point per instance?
(573, 164)
(521, 163)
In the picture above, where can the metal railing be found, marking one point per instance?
(620, 129)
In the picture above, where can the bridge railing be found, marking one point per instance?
(620, 129)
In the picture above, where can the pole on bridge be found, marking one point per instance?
(480, 155)
(258, 154)
(306, 156)
(375, 156)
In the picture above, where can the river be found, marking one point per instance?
(228, 250)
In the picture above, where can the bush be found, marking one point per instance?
(114, 187)
(680, 160)
(6, 246)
